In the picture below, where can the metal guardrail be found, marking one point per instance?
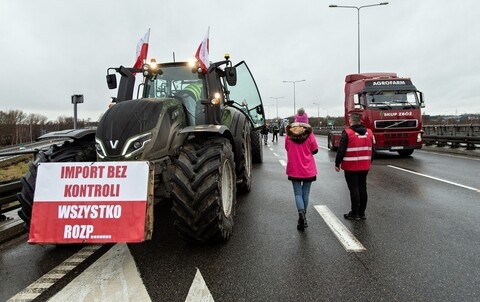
(455, 136)
(8, 196)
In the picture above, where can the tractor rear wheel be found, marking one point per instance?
(204, 188)
(77, 151)
(244, 171)
(257, 146)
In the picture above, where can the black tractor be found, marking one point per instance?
(199, 129)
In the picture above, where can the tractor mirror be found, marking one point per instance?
(231, 75)
(111, 81)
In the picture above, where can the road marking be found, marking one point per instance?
(275, 154)
(38, 287)
(199, 290)
(349, 242)
(282, 162)
(436, 178)
(323, 148)
(113, 277)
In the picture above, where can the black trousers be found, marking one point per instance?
(357, 184)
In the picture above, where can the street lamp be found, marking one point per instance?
(76, 99)
(276, 99)
(358, 23)
(318, 112)
(294, 82)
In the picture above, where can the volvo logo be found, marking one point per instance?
(114, 144)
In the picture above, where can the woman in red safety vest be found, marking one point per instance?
(354, 156)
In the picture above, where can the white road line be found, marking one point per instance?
(276, 154)
(323, 148)
(38, 287)
(282, 162)
(113, 277)
(436, 178)
(199, 290)
(349, 242)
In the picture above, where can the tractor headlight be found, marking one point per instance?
(136, 144)
(216, 99)
(100, 148)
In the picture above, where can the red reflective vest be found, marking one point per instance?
(358, 156)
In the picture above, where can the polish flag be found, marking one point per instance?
(142, 50)
(202, 53)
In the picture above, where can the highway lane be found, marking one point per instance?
(421, 238)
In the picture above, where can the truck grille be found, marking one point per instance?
(396, 124)
(396, 139)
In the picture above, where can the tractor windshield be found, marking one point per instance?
(173, 80)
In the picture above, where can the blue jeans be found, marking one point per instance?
(301, 190)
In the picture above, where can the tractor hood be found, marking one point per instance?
(122, 124)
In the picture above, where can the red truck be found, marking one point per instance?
(391, 108)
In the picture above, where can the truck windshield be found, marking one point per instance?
(392, 100)
(173, 80)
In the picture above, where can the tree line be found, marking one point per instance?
(17, 127)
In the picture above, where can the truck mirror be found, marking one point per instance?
(111, 81)
(422, 103)
(231, 75)
(357, 106)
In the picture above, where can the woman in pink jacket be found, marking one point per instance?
(301, 145)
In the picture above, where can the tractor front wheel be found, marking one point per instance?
(204, 188)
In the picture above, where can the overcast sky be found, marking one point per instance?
(52, 49)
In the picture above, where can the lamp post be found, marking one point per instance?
(318, 112)
(294, 82)
(358, 23)
(276, 100)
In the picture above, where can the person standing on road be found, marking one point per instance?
(275, 130)
(354, 156)
(301, 145)
(265, 134)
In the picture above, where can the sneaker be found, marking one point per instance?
(351, 216)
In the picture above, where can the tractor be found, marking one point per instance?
(198, 128)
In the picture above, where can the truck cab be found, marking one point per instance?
(391, 108)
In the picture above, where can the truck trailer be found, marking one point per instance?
(390, 107)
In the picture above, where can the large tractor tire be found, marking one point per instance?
(244, 170)
(77, 151)
(257, 146)
(204, 188)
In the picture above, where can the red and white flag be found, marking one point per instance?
(142, 50)
(202, 53)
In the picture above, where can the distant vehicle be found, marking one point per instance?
(390, 107)
(22, 148)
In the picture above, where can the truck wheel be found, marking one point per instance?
(77, 151)
(257, 147)
(330, 143)
(244, 174)
(204, 188)
(405, 153)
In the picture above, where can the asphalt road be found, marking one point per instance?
(420, 238)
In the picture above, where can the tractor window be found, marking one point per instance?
(173, 80)
(246, 96)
